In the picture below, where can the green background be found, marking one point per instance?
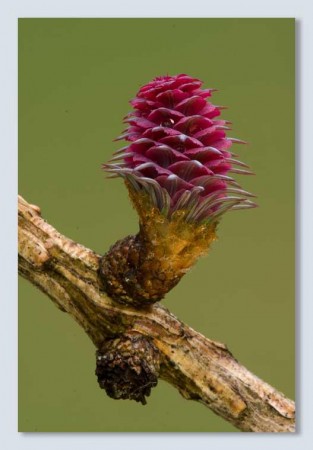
(75, 79)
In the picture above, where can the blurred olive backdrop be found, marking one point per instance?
(75, 79)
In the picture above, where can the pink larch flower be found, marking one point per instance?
(178, 151)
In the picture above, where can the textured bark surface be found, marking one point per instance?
(201, 369)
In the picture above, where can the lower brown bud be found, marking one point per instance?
(128, 367)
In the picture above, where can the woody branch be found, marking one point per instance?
(201, 369)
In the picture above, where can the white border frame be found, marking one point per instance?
(10, 11)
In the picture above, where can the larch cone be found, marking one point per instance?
(177, 167)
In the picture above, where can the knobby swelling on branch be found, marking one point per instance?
(149, 341)
(176, 168)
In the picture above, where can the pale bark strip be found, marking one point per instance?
(201, 369)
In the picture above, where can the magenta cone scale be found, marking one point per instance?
(178, 151)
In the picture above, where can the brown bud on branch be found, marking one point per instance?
(128, 367)
(141, 269)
